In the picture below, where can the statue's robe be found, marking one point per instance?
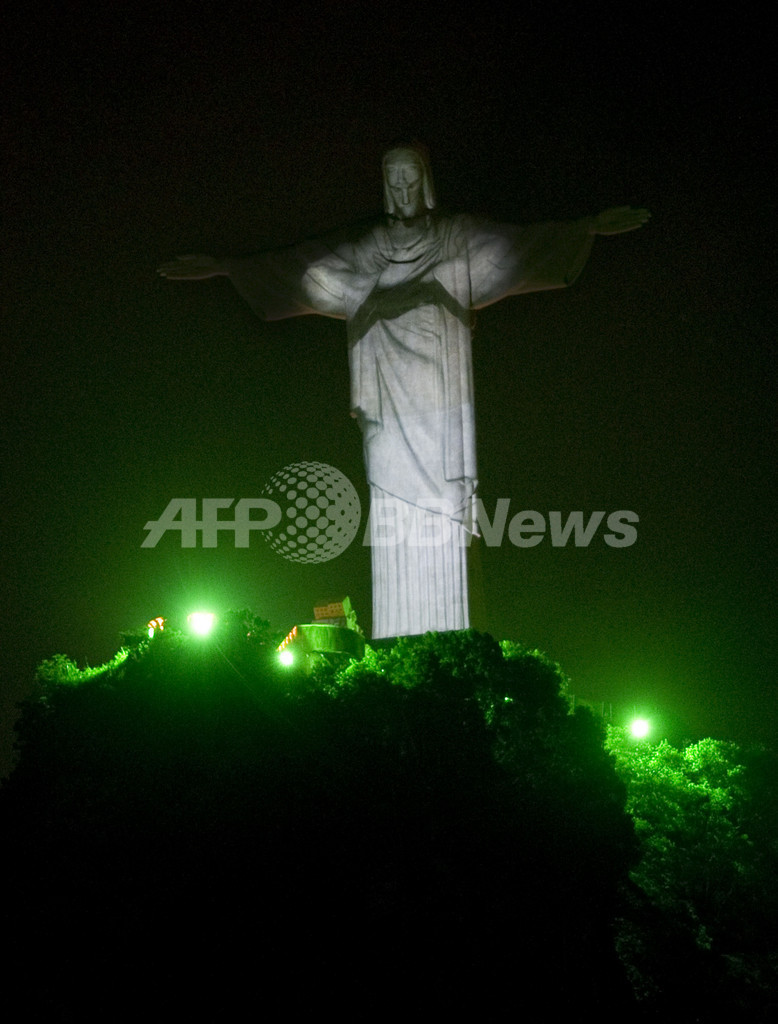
(408, 314)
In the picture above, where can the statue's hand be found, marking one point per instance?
(619, 219)
(192, 268)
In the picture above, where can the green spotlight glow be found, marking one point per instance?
(201, 623)
(640, 728)
(286, 657)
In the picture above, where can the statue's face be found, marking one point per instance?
(405, 182)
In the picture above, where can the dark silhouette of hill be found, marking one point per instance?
(196, 829)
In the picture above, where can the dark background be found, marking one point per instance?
(133, 135)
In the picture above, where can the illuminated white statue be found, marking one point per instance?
(407, 288)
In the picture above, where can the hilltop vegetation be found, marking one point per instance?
(431, 826)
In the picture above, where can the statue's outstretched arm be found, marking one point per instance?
(617, 220)
(193, 268)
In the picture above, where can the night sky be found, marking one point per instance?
(131, 137)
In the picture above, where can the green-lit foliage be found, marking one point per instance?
(60, 670)
(430, 824)
(491, 724)
(690, 815)
(705, 884)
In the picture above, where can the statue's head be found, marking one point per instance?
(408, 190)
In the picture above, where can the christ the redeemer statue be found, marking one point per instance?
(407, 288)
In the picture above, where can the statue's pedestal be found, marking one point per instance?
(311, 643)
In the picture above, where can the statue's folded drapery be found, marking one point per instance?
(408, 312)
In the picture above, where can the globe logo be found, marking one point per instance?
(320, 512)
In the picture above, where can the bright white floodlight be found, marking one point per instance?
(201, 623)
(640, 728)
